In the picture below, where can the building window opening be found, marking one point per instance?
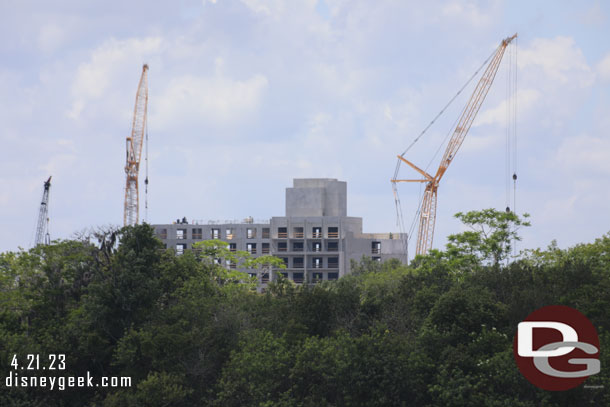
(298, 232)
(317, 277)
(251, 248)
(265, 248)
(297, 246)
(232, 247)
(265, 233)
(197, 233)
(297, 278)
(316, 232)
(333, 246)
(229, 233)
(333, 262)
(251, 233)
(282, 233)
(282, 247)
(297, 262)
(333, 232)
(180, 248)
(317, 263)
(162, 233)
(376, 247)
(317, 246)
(215, 233)
(181, 234)
(333, 276)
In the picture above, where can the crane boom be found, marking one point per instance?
(42, 227)
(134, 151)
(472, 108)
(427, 218)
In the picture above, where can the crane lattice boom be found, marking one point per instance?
(134, 151)
(42, 227)
(427, 218)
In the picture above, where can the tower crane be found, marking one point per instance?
(42, 227)
(425, 233)
(134, 151)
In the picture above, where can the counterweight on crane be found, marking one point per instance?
(42, 227)
(134, 151)
(427, 217)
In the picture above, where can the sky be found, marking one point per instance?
(245, 95)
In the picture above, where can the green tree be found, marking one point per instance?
(489, 240)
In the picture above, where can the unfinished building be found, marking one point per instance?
(315, 239)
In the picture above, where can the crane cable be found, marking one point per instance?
(444, 109)
(508, 131)
(514, 127)
(146, 179)
(515, 101)
(511, 136)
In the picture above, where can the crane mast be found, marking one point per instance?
(134, 151)
(427, 219)
(42, 227)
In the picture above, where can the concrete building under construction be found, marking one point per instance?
(315, 239)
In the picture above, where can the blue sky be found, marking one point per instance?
(246, 95)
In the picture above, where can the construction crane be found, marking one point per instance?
(134, 151)
(427, 216)
(42, 227)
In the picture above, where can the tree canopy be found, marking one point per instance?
(190, 332)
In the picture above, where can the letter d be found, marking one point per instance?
(525, 338)
(9, 380)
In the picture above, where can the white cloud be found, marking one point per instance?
(59, 164)
(526, 100)
(50, 37)
(273, 8)
(467, 12)
(259, 6)
(584, 156)
(603, 68)
(218, 99)
(594, 15)
(560, 59)
(93, 78)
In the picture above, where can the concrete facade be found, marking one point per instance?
(316, 239)
(316, 197)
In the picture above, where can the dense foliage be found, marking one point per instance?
(187, 331)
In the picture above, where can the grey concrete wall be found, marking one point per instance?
(335, 203)
(316, 197)
(305, 202)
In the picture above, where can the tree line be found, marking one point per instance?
(189, 332)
